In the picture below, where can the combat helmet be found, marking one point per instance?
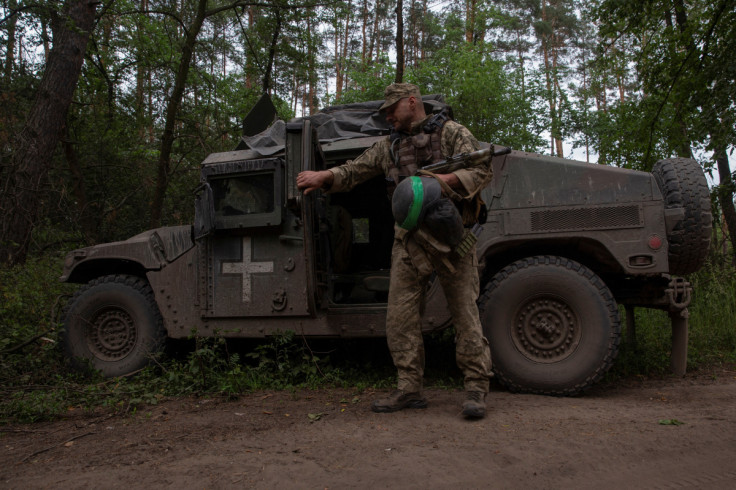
(418, 200)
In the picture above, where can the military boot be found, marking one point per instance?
(399, 400)
(474, 406)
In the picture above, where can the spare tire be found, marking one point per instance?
(683, 185)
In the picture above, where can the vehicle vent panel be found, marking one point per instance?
(606, 217)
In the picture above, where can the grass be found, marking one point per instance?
(36, 383)
(712, 329)
(713, 317)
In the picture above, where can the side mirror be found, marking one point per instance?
(204, 211)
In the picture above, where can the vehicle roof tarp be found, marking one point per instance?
(335, 123)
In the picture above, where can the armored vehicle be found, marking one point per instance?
(564, 243)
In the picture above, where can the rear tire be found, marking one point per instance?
(683, 185)
(112, 324)
(553, 326)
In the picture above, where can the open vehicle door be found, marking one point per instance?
(254, 259)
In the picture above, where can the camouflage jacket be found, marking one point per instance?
(377, 160)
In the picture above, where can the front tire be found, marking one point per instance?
(113, 325)
(553, 326)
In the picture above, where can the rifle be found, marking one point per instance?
(466, 160)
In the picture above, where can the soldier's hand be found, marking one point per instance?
(450, 179)
(309, 180)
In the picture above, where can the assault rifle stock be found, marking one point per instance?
(466, 160)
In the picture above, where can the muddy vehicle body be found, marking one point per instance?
(563, 245)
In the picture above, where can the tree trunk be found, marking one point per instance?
(272, 51)
(311, 70)
(249, 59)
(548, 80)
(399, 41)
(522, 68)
(35, 145)
(470, 8)
(374, 35)
(338, 61)
(725, 193)
(172, 110)
(584, 65)
(683, 136)
(550, 97)
(87, 213)
(140, 80)
(557, 96)
(345, 43)
(424, 30)
(364, 43)
(10, 45)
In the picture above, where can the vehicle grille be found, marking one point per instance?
(587, 218)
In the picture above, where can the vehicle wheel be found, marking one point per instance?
(113, 324)
(683, 185)
(553, 326)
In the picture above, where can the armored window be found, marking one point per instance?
(247, 194)
(250, 194)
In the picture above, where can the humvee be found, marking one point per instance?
(564, 243)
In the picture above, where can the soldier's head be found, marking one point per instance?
(402, 105)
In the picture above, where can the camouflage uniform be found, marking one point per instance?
(413, 258)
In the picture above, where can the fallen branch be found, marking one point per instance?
(27, 342)
(40, 451)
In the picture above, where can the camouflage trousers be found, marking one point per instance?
(411, 268)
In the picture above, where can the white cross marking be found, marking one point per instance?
(246, 268)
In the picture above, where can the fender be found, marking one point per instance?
(150, 250)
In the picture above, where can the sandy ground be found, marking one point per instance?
(612, 437)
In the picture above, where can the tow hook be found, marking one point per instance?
(679, 293)
(278, 300)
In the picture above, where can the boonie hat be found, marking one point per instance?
(397, 91)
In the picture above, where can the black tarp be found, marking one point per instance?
(335, 123)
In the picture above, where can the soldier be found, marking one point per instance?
(418, 140)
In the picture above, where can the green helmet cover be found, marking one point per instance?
(411, 198)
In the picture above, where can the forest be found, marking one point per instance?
(107, 108)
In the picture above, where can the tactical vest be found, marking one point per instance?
(411, 153)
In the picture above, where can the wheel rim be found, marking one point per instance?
(112, 334)
(546, 329)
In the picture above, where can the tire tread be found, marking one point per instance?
(683, 184)
(136, 283)
(610, 303)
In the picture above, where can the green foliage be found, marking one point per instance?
(208, 368)
(620, 137)
(31, 297)
(36, 383)
(712, 334)
(34, 405)
(632, 82)
(482, 96)
(41, 387)
(679, 54)
(713, 316)
(29, 300)
(635, 84)
(287, 362)
(369, 80)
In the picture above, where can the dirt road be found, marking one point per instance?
(626, 435)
